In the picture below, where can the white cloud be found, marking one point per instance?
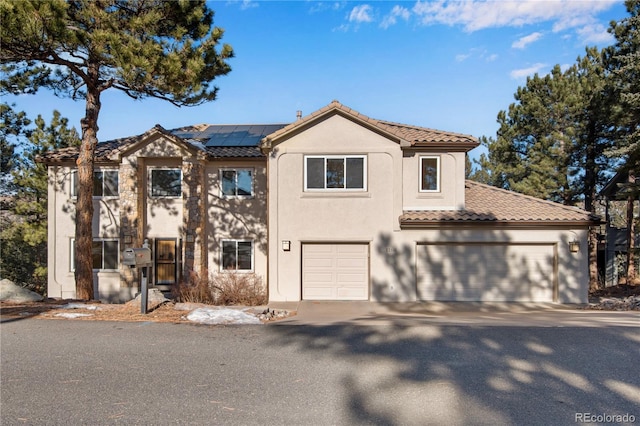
(462, 57)
(525, 72)
(248, 4)
(361, 13)
(492, 57)
(595, 34)
(522, 42)
(392, 17)
(475, 15)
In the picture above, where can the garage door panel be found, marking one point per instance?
(335, 271)
(486, 272)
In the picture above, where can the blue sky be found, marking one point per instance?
(445, 65)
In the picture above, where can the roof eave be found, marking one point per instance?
(422, 224)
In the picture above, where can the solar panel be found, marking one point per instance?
(228, 134)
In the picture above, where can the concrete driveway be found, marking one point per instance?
(460, 313)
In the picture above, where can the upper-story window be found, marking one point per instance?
(105, 183)
(335, 172)
(429, 174)
(166, 182)
(236, 182)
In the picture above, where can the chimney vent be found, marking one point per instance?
(298, 114)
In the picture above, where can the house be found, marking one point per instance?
(334, 206)
(613, 247)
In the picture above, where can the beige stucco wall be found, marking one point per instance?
(61, 231)
(371, 216)
(451, 193)
(237, 218)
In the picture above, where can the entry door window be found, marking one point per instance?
(166, 261)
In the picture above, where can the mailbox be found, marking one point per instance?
(136, 257)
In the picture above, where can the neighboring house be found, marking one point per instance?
(334, 206)
(614, 246)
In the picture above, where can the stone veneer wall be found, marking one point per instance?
(194, 198)
(131, 229)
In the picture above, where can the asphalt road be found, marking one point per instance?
(66, 372)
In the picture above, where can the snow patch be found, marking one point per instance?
(72, 315)
(222, 316)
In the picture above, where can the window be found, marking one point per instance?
(105, 183)
(166, 182)
(105, 254)
(335, 172)
(237, 255)
(236, 182)
(429, 174)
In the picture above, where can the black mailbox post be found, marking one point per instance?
(140, 258)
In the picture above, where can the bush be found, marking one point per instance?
(192, 289)
(238, 289)
(221, 289)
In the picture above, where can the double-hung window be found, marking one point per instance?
(429, 174)
(335, 172)
(104, 254)
(166, 182)
(105, 183)
(237, 255)
(236, 182)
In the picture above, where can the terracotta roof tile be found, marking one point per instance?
(415, 135)
(487, 204)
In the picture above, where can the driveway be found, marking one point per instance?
(458, 313)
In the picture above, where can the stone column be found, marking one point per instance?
(131, 219)
(194, 201)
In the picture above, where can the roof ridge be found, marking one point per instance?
(530, 197)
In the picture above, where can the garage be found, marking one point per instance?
(524, 272)
(335, 271)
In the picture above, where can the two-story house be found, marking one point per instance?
(334, 206)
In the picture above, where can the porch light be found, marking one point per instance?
(574, 246)
(286, 245)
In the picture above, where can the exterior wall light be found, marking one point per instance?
(189, 238)
(574, 246)
(286, 245)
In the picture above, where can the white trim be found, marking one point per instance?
(74, 184)
(237, 169)
(439, 173)
(222, 269)
(72, 257)
(342, 157)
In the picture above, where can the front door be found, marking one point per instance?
(166, 263)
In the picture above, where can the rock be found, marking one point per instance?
(10, 292)
(155, 298)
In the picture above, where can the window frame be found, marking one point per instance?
(343, 157)
(236, 170)
(151, 170)
(72, 257)
(438, 173)
(74, 183)
(236, 241)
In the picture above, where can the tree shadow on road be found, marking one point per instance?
(435, 374)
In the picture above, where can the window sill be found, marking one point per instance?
(336, 194)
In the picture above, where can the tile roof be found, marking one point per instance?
(414, 135)
(491, 205)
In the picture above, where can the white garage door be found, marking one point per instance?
(486, 272)
(335, 271)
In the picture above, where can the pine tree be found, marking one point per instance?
(623, 60)
(23, 251)
(144, 48)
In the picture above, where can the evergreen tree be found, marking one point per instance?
(624, 63)
(23, 251)
(12, 125)
(145, 48)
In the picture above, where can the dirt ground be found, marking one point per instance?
(50, 309)
(167, 312)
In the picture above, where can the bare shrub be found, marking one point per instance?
(238, 289)
(193, 288)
